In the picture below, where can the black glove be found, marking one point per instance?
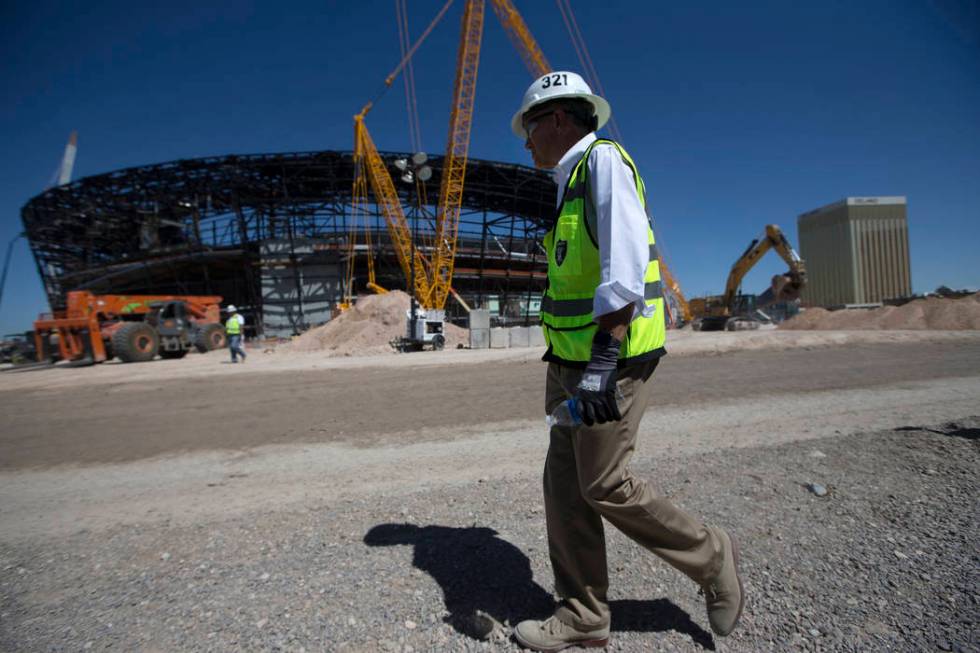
(597, 389)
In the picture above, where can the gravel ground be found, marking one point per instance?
(887, 560)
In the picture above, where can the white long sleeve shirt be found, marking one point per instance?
(621, 223)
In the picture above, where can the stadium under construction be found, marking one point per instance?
(274, 233)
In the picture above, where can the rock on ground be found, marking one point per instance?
(887, 560)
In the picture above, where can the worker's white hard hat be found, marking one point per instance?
(231, 308)
(555, 85)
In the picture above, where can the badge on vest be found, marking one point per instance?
(561, 249)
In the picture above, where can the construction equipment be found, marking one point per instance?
(726, 313)
(678, 309)
(429, 270)
(521, 38)
(16, 349)
(430, 276)
(95, 328)
(426, 328)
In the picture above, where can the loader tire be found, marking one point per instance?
(210, 337)
(135, 342)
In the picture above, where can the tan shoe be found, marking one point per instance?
(553, 634)
(724, 594)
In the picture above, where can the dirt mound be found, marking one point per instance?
(937, 313)
(367, 328)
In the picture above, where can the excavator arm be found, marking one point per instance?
(681, 302)
(785, 287)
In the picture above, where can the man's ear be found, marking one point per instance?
(560, 118)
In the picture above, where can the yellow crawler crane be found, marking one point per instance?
(454, 164)
(368, 162)
(536, 63)
(358, 204)
(432, 277)
(520, 36)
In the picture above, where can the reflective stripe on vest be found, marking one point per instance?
(574, 274)
(233, 327)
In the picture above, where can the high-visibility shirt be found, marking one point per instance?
(574, 272)
(233, 327)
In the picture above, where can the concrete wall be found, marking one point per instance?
(300, 285)
(504, 338)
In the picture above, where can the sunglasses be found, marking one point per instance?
(533, 123)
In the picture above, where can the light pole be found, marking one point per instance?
(414, 171)
(6, 261)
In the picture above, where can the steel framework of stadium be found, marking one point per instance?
(202, 226)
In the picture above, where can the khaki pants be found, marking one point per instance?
(587, 477)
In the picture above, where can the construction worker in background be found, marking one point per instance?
(234, 328)
(603, 321)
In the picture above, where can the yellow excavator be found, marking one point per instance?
(728, 312)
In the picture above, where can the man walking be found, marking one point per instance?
(233, 328)
(603, 318)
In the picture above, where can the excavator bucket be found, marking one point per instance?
(784, 288)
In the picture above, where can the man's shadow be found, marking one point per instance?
(484, 576)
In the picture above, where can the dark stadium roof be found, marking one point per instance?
(204, 207)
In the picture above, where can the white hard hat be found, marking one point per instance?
(231, 308)
(558, 84)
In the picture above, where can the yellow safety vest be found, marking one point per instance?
(574, 275)
(233, 327)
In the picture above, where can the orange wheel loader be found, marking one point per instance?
(95, 328)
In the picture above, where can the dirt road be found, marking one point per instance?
(368, 406)
(280, 508)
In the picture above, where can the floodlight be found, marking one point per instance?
(401, 164)
(419, 158)
(408, 177)
(425, 173)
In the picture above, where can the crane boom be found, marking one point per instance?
(367, 156)
(68, 160)
(457, 147)
(520, 36)
(536, 63)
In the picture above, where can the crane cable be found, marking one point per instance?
(592, 76)
(582, 51)
(406, 59)
(415, 130)
(412, 109)
(6, 262)
(360, 182)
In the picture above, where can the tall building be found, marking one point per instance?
(856, 251)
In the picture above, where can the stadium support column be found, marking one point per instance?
(253, 300)
(483, 253)
(297, 272)
(533, 243)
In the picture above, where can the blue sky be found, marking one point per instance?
(738, 114)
